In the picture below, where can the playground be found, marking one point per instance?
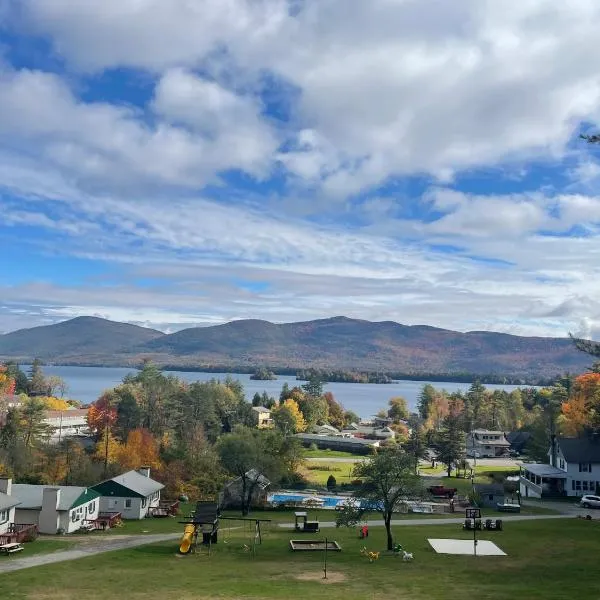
(543, 559)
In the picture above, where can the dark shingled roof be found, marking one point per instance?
(489, 488)
(580, 450)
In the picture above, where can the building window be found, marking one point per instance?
(578, 486)
(585, 467)
(91, 507)
(144, 500)
(3, 516)
(128, 503)
(562, 464)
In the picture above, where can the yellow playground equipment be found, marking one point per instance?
(188, 539)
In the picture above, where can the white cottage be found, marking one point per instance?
(8, 504)
(133, 494)
(573, 470)
(55, 509)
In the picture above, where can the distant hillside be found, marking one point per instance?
(76, 338)
(335, 343)
(345, 343)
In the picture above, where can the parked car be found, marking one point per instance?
(590, 502)
(440, 490)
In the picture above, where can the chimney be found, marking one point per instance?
(145, 471)
(50, 499)
(553, 453)
(6, 485)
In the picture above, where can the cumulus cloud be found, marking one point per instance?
(334, 106)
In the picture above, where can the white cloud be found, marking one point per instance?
(104, 145)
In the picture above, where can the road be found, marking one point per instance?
(117, 543)
(509, 463)
(443, 521)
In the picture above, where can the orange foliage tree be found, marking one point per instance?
(7, 383)
(581, 411)
(102, 414)
(140, 449)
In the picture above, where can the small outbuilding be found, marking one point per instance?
(490, 494)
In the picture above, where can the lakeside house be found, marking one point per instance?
(262, 417)
(573, 469)
(337, 442)
(67, 423)
(133, 494)
(483, 443)
(55, 509)
(8, 504)
(368, 431)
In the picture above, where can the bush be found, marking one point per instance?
(331, 483)
(313, 447)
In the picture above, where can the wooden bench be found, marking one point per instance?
(11, 548)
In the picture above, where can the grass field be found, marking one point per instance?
(318, 471)
(546, 559)
(306, 453)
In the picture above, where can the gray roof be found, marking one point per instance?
(490, 488)
(255, 477)
(542, 470)
(31, 495)
(580, 450)
(8, 501)
(136, 482)
(260, 409)
(335, 438)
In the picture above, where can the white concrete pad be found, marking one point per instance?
(484, 547)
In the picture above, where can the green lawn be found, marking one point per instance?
(547, 560)
(306, 453)
(317, 472)
(42, 546)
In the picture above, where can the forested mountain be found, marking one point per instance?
(335, 343)
(74, 339)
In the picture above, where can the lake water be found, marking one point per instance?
(365, 399)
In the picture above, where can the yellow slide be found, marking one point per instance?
(187, 539)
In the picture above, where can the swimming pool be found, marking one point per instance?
(328, 501)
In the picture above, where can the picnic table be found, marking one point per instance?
(11, 548)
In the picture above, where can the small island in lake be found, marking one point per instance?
(263, 374)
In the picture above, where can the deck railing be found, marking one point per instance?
(19, 533)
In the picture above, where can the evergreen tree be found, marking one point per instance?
(285, 392)
(37, 382)
(256, 400)
(426, 398)
(314, 386)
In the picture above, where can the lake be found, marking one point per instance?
(365, 399)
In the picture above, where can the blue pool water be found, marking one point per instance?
(328, 501)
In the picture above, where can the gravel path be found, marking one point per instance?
(16, 564)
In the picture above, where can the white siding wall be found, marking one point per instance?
(130, 508)
(72, 520)
(580, 483)
(7, 518)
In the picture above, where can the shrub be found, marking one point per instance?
(331, 483)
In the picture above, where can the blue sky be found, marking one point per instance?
(174, 164)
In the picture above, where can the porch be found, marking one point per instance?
(105, 520)
(19, 533)
(542, 481)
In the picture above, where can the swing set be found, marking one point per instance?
(205, 519)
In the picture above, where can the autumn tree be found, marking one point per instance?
(140, 449)
(581, 410)
(108, 449)
(335, 411)
(102, 413)
(15, 372)
(398, 409)
(387, 478)
(287, 418)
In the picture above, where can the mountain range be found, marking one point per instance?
(334, 343)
